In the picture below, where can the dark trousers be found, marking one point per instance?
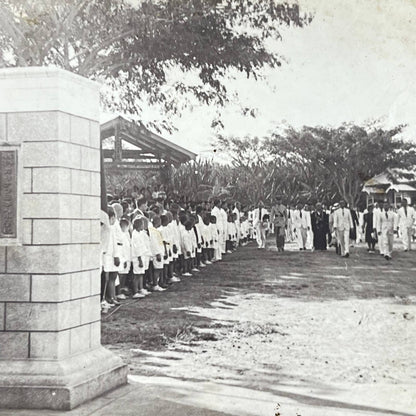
(280, 237)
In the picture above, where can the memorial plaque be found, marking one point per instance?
(8, 193)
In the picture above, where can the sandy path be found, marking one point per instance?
(310, 332)
(355, 354)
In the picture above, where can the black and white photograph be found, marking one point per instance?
(207, 207)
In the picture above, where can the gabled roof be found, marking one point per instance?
(392, 176)
(373, 190)
(401, 187)
(381, 179)
(147, 143)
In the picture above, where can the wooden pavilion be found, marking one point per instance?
(130, 145)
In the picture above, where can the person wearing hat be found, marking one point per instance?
(369, 229)
(278, 216)
(342, 226)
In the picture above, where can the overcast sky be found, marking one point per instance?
(356, 61)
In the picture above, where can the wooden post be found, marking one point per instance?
(118, 149)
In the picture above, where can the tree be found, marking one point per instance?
(134, 48)
(257, 175)
(196, 181)
(249, 174)
(243, 152)
(293, 183)
(339, 160)
(122, 184)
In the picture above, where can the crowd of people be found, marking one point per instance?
(149, 243)
(319, 227)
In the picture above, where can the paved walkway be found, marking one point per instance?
(134, 399)
(168, 397)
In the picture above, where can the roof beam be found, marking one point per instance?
(129, 154)
(115, 166)
(145, 141)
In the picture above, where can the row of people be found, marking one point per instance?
(317, 227)
(147, 249)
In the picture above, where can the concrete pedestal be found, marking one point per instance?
(61, 384)
(50, 350)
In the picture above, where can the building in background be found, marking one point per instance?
(134, 157)
(393, 185)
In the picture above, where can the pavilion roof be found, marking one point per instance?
(144, 149)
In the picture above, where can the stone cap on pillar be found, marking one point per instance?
(30, 89)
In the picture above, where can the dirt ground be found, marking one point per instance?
(293, 333)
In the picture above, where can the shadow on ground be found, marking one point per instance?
(153, 322)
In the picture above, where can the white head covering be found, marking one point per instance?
(118, 209)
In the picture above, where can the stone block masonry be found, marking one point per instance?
(50, 350)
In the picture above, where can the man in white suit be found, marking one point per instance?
(259, 224)
(406, 219)
(342, 226)
(386, 224)
(376, 213)
(309, 232)
(301, 222)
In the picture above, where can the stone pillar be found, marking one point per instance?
(50, 350)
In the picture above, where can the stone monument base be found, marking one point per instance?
(60, 384)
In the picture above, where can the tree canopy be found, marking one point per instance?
(134, 48)
(312, 164)
(339, 160)
(316, 163)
